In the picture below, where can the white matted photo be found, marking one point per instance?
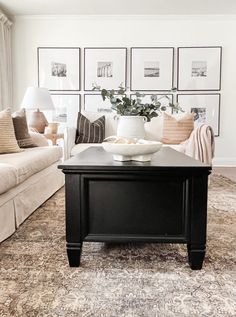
(105, 67)
(199, 68)
(95, 103)
(66, 110)
(206, 108)
(59, 68)
(151, 68)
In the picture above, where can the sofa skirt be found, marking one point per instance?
(18, 203)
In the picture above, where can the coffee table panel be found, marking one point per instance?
(153, 206)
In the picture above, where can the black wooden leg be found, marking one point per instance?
(74, 252)
(196, 255)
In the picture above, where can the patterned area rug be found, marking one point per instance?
(127, 280)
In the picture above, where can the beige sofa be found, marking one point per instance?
(153, 131)
(27, 179)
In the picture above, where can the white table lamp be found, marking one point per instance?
(39, 99)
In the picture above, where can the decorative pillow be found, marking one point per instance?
(177, 129)
(90, 132)
(8, 142)
(21, 129)
(38, 139)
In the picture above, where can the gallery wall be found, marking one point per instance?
(30, 32)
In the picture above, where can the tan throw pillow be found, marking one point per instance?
(21, 129)
(8, 143)
(177, 129)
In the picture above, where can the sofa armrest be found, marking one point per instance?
(69, 141)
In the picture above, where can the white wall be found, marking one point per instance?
(32, 32)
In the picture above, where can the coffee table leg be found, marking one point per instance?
(196, 255)
(74, 252)
(73, 219)
(198, 221)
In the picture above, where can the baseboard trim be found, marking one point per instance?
(224, 161)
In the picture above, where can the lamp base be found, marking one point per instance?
(38, 121)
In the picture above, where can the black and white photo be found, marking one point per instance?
(151, 68)
(199, 114)
(199, 68)
(105, 67)
(205, 107)
(59, 68)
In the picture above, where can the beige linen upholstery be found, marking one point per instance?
(8, 143)
(8, 177)
(31, 161)
(78, 148)
(177, 129)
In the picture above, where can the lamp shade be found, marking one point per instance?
(37, 98)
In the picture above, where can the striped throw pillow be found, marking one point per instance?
(90, 132)
(8, 142)
(177, 129)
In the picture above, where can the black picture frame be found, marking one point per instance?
(105, 110)
(171, 70)
(72, 119)
(216, 122)
(76, 76)
(198, 79)
(122, 80)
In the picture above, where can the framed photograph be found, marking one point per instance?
(199, 68)
(164, 100)
(206, 108)
(151, 68)
(105, 67)
(66, 110)
(59, 68)
(95, 103)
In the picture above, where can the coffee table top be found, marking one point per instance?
(95, 158)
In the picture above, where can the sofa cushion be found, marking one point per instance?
(78, 148)
(21, 129)
(8, 175)
(8, 143)
(31, 161)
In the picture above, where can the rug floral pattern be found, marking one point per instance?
(127, 280)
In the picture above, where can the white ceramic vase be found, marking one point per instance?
(131, 126)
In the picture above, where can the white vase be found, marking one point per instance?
(131, 126)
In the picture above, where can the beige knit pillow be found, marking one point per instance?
(8, 143)
(177, 129)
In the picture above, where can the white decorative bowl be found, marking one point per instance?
(128, 152)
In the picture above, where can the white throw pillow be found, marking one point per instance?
(39, 139)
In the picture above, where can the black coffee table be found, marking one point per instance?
(163, 201)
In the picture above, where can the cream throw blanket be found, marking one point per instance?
(201, 144)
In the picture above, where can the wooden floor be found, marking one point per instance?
(229, 172)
